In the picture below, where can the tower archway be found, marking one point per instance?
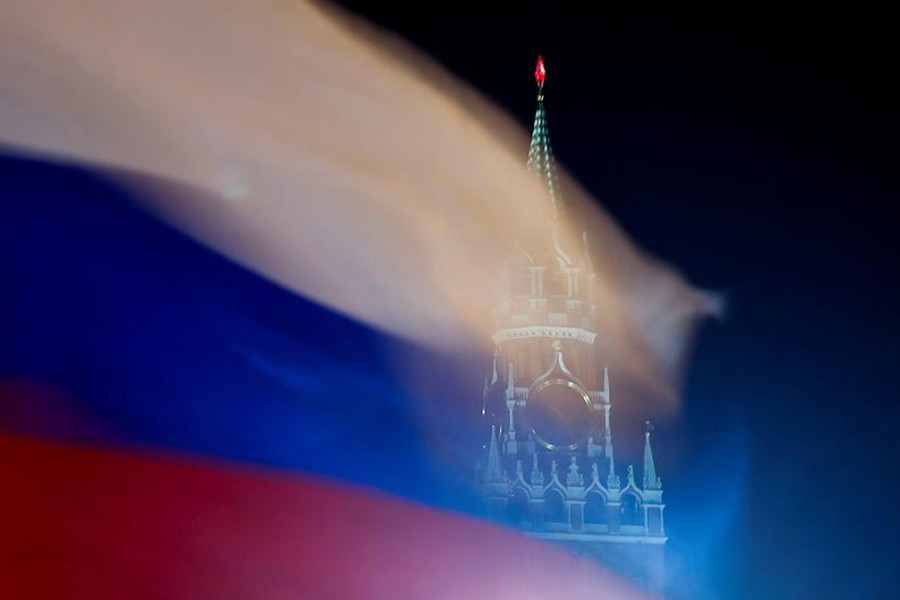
(631, 510)
(595, 509)
(554, 507)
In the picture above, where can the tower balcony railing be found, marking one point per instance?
(523, 320)
(553, 319)
(555, 303)
(554, 311)
(557, 319)
(537, 303)
(573, 304)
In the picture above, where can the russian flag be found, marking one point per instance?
(247, 258)
(174, 426)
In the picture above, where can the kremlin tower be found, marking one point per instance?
(549, 467)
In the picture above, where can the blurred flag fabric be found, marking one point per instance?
(174, 426)
(247, 256)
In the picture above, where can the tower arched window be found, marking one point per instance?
(558, 285)
(520, 282)
(632, 512)
(554, 507)
(594, 509)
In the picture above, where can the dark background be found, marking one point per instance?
(754, 148)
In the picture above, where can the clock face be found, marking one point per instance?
(560, 414)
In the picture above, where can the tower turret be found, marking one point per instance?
(651, 481)
(494, 473)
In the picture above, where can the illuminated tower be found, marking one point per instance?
(549, 466)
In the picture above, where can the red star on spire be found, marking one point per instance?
(540, 73)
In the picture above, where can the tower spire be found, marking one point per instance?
(493, 467)
(540, 153)
(651, 481)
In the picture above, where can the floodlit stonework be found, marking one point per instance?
(549, 466)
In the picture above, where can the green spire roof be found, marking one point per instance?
(540, 153)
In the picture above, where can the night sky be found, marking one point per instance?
(755, 150)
